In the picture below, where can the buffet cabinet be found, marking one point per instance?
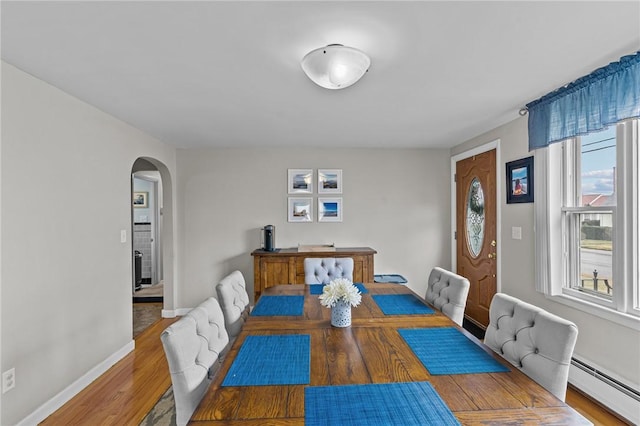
(286, 265)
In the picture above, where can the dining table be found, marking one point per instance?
(401, 361)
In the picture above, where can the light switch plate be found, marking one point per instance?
(516, 233)
(123, 236)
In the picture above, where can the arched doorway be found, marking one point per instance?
(151, 242)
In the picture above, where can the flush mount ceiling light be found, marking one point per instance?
(335, 66)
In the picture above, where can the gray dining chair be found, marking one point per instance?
(193, 347)
(234, 301)
(535, 341)
(321, 270)
(448, 291)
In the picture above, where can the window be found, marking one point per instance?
(587, 229)
(588, 211)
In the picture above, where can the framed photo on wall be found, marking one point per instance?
(140, 199)
(520, 181)
(329, 181)
(300, 181)
(329, 209)
(300, 209)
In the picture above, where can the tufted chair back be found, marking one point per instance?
(234, 300)
(321, 270)
(532, 339)
(192, 346)
(448, 292)
(211, 328)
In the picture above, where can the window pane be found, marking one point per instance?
(597, 164)
(475, 217)
(596, 253)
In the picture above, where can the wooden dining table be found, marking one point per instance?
(372, 351)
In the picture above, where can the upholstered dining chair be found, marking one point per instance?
(321, 270)
(448, 291)
(234, 300)
(193, 346)
(537, 342)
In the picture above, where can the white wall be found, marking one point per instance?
(395, 201)
(66, 277)
(608, 345)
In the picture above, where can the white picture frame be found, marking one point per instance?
(300, 209)
(300, 181)
(329, 181)
(329, 209)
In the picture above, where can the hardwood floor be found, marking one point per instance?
(128, 390)
(598, 415)
(145, 314)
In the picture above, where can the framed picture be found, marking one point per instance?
(329, 209)
(329, 181)
(141, 199)
(300, 209)
(300, 181)
(520, 181)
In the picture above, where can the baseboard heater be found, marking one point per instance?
(612, 393)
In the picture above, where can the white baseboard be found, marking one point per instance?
(612, 398)
(49, 407)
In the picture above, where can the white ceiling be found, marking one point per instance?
(213, 73)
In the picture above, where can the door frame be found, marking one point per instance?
(495, 144)
(153, 176)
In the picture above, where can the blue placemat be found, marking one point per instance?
(401, 304)
(271, 360)
(448, 351)
(279, 305)
(317, 288)
(404, 404)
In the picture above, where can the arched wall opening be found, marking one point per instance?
(165, 229)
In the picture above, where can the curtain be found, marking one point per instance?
(593, 102)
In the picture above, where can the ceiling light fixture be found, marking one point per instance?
(335, 66)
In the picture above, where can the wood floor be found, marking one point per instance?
(127, 391)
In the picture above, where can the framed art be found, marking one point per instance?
(520, 181)
(141, 199)
(329, 209)
(300, 181)
(300, 209)
(329, 181)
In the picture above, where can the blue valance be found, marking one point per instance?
(593, 102)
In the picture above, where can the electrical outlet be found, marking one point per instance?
(8, 380)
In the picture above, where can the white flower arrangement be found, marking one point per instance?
(340, 290)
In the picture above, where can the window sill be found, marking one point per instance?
(621, 318)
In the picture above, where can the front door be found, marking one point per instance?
(476, 232)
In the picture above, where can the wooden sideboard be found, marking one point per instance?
(286, 266)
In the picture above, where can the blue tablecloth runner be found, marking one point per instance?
(448, 351)
(317, 288)
(279, 306)
(385, 404)
(271, 360)
(401, 304)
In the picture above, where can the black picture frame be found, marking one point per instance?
(520, 184)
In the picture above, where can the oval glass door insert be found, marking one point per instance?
(475, 217)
